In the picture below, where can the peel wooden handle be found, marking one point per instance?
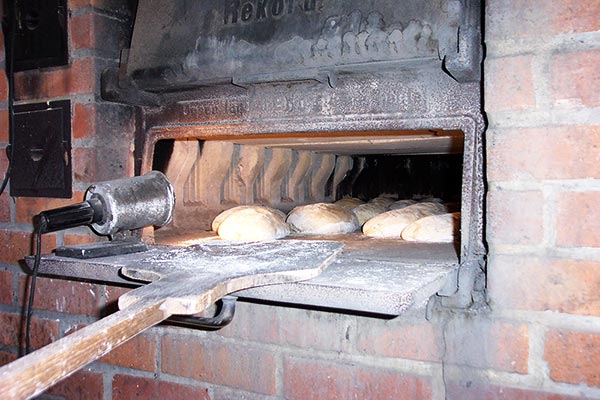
(185, 281)
(34, 373)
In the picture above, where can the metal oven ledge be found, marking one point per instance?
(371, 275)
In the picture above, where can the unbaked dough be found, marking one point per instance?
(365, 212)
(382, 201)
(391, 224)
(430, 206)
(397, 205)
(435, 228)
(248, 223)
(348, 203)
(322, 219)
(430, 199)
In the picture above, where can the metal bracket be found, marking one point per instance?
(222, 319)
(101, 249)
(119, 89)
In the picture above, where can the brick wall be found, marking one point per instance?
(543, 154)
(102, 141)
(540, 337)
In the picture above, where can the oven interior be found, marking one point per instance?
(286, 170)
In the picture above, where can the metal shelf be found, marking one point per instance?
(370, 275)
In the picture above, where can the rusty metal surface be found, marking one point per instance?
(374, 276)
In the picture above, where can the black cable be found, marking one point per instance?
(12, 20)
(34, 272)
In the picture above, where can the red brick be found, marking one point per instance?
(115, 124)
(3, 161)
(233, 365)
(76, 4)
(73, 239)
(4, 199)
(578, 219)
(127, 387)
(4, 202)
(509, 84)
(545, 284)
(117, 6)
(63, 296)
(532, 18)
(138, 353)
(513, 18)
(573, 357)
(469, 390)
(488, 344)
(514, 217)
(185, 356)
(84, 120)
(16, 245)
(315, 330)
(101, 163)
(12, 332)
(257, 322)
(11, 327)
(3, 85)
(78, 78)
(236, 366)
(561, 152)
(82, 385)
(27, 207)
(312, 379)
(7, 291)
(575, 78)
(84, 164)
(82, 31)
(400, 339)
(6, 357)
(572, 16)
(112, 294)
(99, 33)
(3, 128)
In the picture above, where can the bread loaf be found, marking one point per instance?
(429, 206)
(434, 228)
(397, 205)
(382, 201)
(321, 219)
(365, 212)
(348, 203)
(249, 223)
(391, 224)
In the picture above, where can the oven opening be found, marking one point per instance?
(283, 171)
(212, 172)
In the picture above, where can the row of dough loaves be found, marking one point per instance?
(427, 221)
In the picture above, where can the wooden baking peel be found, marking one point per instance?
(183, 281)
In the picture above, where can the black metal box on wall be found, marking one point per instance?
(42, 150)
(41, 34)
